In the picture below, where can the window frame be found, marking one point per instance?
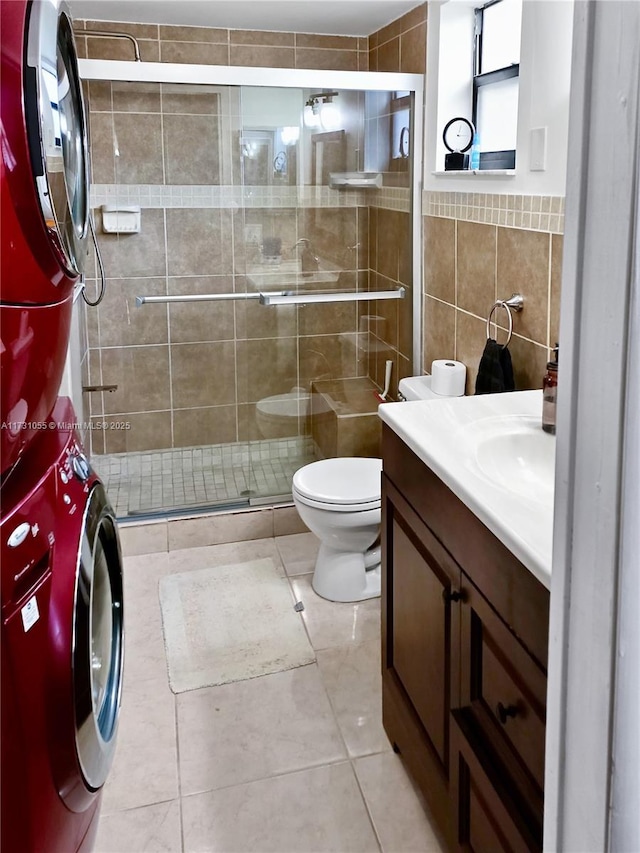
(489, 159)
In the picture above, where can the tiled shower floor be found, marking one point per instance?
(194, 477)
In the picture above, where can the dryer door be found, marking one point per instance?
(58, 132)
(98, 640)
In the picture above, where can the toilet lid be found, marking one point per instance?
(351, 480)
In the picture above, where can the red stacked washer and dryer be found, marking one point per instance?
(61, 595)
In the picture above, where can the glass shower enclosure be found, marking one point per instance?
(259, 232)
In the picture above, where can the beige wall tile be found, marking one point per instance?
(331, 231)
(195, 242)
(389, 231)
(136, 97)
(143, 538)
(389, 56)
(200, 100)
(327, 319)
(135, 255)
(136, 163)
(335, 60)
(254, 428)
(529, 363)
(335, 42)
(439, 258)
(201, 321)
(439, 331)
(363, 60)
(91, 315)
(265, 367)
(471, 337)
(255, 321)
(476, 245)
(203, 374)
(267, 57)
(413, 50)
(556, 281)
(359, 435)
(262, 38)
(138, 31)
(103, 163)
(191, 52)
(105, 48)
(211, 35)
(523, 267)
(148, 431)
(220, 528)
(414, 17)
(191, 149)
(324, 357)
(373, 59)
(142, 377)
(122, 323)
(389, 32)
(193, 427)
(98, 96)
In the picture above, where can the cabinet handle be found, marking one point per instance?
(451, 595)
(505, 712)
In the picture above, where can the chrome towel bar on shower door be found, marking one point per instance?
(279, 297)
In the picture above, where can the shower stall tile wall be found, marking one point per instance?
(235, 199)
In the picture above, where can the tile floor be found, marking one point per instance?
(295, 762)
(155, 480)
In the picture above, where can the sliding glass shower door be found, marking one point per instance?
(249, 231)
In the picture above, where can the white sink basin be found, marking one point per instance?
(493, 454)
(516, 454)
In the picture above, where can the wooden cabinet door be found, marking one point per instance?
(486, 818)
(421, 619)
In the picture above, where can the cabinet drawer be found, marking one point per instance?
(503, 686)
(488, 818)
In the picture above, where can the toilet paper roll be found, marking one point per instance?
(448, 377)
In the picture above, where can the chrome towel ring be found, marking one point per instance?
(514, 303)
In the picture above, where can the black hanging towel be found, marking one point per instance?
(495, 373)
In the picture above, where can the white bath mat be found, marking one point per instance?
(228, 624)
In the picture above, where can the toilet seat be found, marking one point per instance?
(349, 484)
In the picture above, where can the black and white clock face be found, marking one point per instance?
(458, 134)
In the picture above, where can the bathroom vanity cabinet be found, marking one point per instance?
(464, 651)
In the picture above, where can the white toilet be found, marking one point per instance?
(339, 501)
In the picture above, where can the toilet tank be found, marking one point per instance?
(416, 388)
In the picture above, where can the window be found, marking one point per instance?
(496, 69)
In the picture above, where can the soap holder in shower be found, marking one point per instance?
(117, 219)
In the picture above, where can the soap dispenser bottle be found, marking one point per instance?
(550, 394)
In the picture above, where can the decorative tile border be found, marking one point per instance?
(530, 212)
(160, 196)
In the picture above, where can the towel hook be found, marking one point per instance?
(514, 303)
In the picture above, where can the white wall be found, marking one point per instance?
(545, 72)
(71, 384)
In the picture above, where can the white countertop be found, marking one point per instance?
(445, 433)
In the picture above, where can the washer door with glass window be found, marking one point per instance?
(45, 162)
(98, 640)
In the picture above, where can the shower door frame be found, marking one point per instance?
(287, 78)
(111, 70)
